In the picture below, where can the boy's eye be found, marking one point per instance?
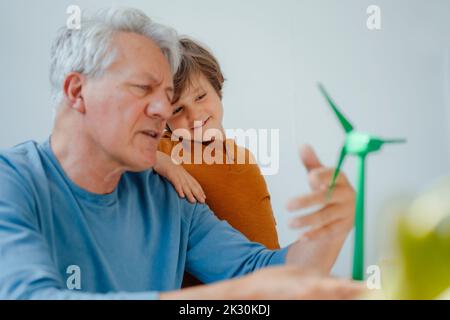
(200, 97)
(177, 110)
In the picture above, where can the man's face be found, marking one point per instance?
(127, 108)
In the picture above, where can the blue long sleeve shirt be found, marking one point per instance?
(59, 241)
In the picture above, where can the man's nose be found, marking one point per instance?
(159, 107)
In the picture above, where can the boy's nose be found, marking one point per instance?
(195, 116)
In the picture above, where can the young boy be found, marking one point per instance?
(235, 191)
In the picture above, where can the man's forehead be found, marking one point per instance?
(140, 55)
(133, 40)
(148, 75)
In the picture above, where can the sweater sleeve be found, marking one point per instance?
(217, 252)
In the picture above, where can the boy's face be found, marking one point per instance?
(198, 110)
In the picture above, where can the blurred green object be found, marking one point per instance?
(360, 145)
(423, 236)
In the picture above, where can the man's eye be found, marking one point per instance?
(142, 88)
(200, 97)
(177, 110)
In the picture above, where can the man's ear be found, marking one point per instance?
(73, 84)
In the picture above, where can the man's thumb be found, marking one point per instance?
(309, 158)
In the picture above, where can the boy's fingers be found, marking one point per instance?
(197, 188)
(199, 195)
(179, 189)
(189, 194)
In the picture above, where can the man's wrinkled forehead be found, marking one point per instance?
(137, 55)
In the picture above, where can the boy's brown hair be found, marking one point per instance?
(195, 59)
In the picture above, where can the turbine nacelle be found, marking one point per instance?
(360, 143)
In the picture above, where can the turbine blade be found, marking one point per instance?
(336, 172)
(393, 140)
(344, 122)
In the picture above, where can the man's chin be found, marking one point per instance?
(142, 164)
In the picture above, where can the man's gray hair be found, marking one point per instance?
(89, 51)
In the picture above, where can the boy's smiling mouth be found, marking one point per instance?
(200, 124)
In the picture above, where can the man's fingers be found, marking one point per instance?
(309, 158)
(321, 178)
(319, 218)
(339, 289)
(320, 197)
(332, 229)
(314, 198)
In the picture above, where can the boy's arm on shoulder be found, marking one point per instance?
(185, 185)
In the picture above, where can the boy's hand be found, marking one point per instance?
(184, 183)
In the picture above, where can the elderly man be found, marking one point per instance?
(83, 216)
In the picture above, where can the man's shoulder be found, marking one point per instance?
(157, 185)
(21, 156)
(161, 193)
(20, 169)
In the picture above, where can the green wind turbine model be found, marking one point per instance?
(360, 145)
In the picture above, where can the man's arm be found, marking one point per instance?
(282, 282)
(216, 251)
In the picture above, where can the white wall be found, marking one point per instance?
(390, 82)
